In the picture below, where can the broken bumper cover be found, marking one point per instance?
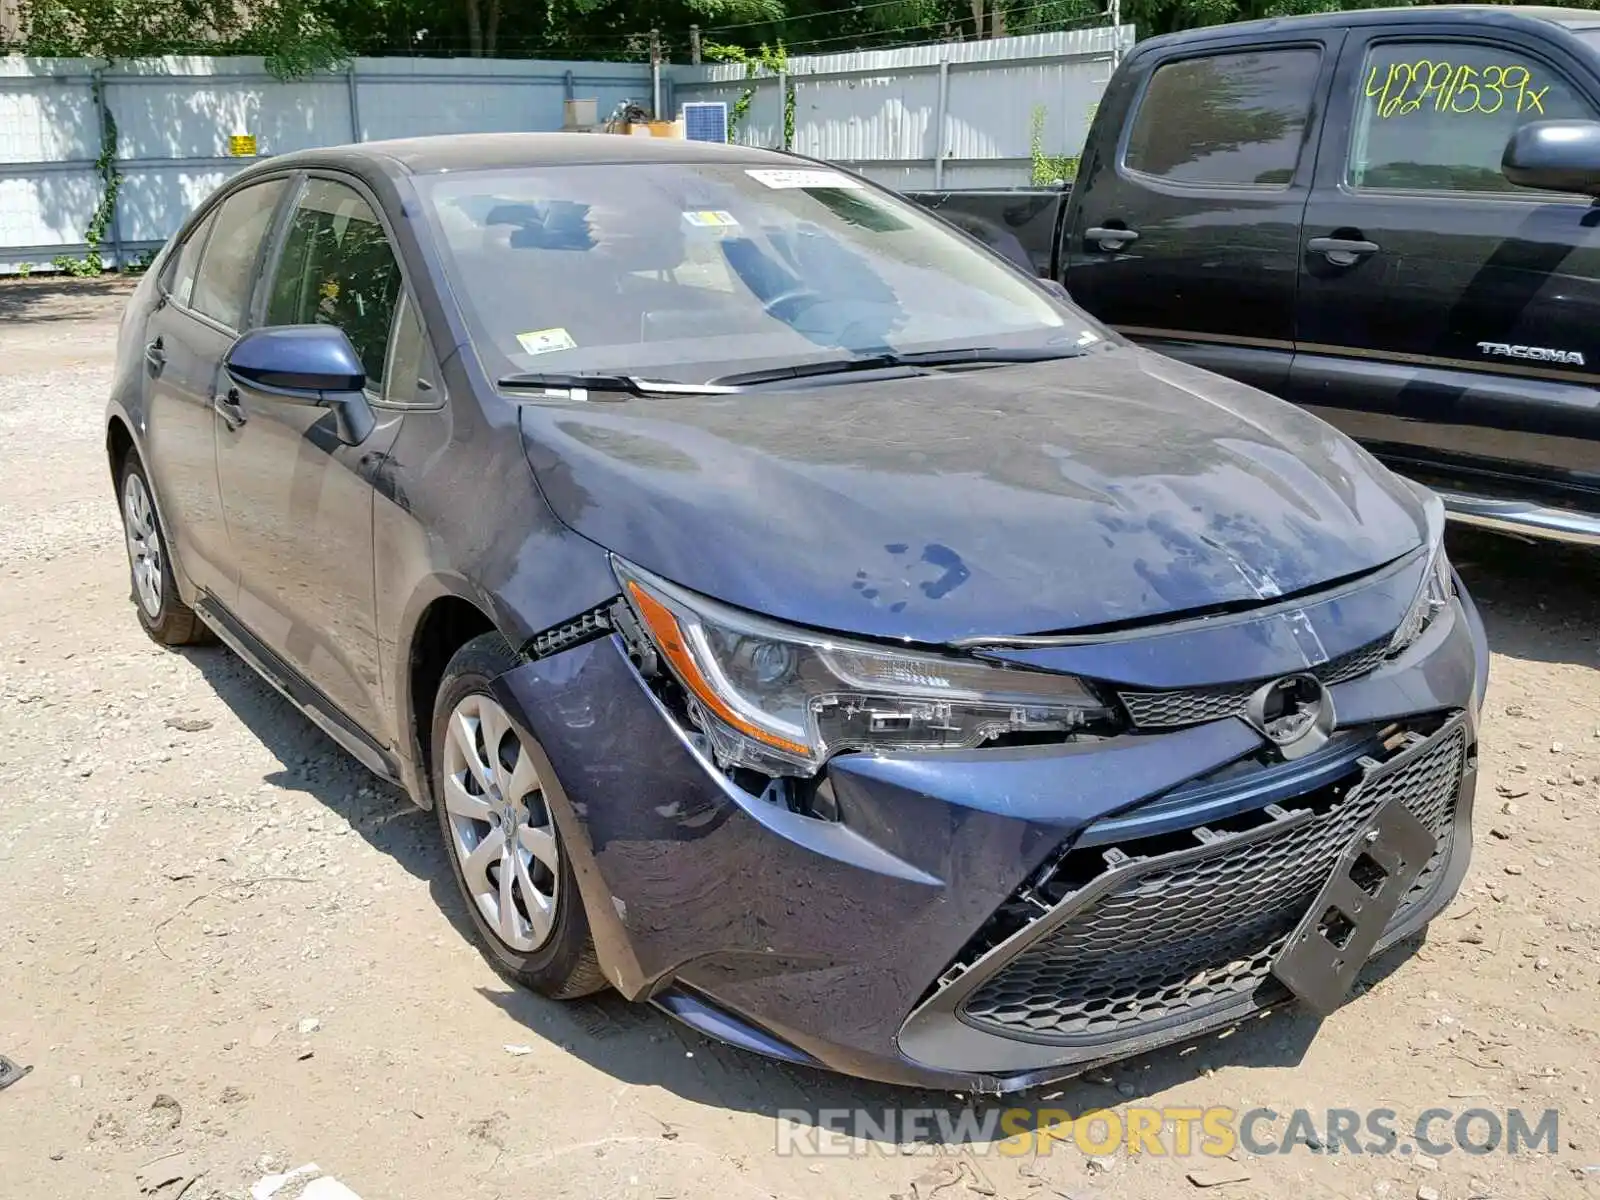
(963, 925)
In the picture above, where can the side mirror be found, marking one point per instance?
(306, 364)
(1555, 156)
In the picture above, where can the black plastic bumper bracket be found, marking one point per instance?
(1327, 950)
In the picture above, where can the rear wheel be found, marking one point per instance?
(162, 612)
(504, 848)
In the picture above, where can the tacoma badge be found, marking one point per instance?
(1536, 353)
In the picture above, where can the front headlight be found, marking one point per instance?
(1438, 583)
(782, 700)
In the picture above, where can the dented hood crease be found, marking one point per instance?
(1120, 486)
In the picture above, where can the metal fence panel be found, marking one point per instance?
(188, 108)
(888, 115)
(175, 118)
(155, 199)
(53, 123)
(49, 136)
(413, 97)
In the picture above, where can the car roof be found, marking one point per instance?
(1487, 14)
(489, 151)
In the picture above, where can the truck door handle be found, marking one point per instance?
(229, 409)
(1342, 252)
(155, 356)
(1110, 240)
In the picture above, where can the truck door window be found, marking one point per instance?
(1436, 116)
(1227, 120)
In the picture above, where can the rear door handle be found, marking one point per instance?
(1109, 239)
(154, 356)
(229, 409)
(1342, 252)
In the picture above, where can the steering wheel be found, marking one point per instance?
(788, 306)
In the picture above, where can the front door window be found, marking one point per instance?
(337, 268)
(1436, 116)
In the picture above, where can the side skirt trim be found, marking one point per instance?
(297, 690)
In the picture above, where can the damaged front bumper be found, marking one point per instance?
(997, 918)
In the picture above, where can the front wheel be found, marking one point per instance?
(504, 848)
(162, 612)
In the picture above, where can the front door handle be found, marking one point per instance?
(1109, 239)
(1342, 252)
(229, 409)
(155, 356)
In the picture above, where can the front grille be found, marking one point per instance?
(1171, 708)
(1167, 938)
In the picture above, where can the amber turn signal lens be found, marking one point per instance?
(669, 637)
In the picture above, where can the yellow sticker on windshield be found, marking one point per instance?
(546, 341)
(711, 220)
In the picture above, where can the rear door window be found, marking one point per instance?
(1436, 115)
(337, 268)
(179, 281)
(227, 265)
(1232, 120)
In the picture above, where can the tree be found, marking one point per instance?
(294, 35)
(298, 35)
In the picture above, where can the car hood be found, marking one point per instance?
(1116, 487)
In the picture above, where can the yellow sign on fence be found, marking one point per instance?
(242, 145)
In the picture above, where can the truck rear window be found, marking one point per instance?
(1225, 119)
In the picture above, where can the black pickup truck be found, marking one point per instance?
(1386, 216)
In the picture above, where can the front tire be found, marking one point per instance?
(162, 612)
(500, 836)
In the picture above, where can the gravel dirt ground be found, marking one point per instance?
(224, 950)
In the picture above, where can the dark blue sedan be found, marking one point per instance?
(797, 616)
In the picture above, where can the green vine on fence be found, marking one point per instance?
(775, 61)
(92, 262)
(1048, 169)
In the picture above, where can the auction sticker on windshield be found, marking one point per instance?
(711, 220)
(801, 179)
(546, 341)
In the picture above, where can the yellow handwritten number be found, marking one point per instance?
(1457, 89)
(1499, 74)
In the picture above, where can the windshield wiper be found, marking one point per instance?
(919, 358)
(577, 384)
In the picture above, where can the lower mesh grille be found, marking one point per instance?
(1169, 940)
(1191, 706)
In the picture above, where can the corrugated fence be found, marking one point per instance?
(949, 115)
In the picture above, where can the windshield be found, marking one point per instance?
(685, 271)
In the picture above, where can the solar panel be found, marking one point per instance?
(705, 121)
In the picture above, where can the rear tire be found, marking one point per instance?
(505, 851)
(162, 612)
